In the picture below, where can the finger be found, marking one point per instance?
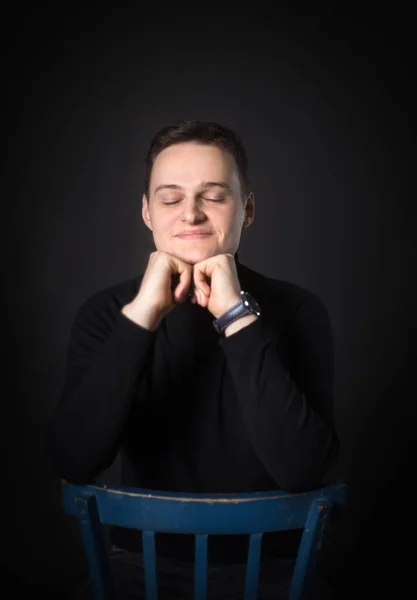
(185, 276)
(203, 299)
(200, 280)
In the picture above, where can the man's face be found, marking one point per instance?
(196, 187)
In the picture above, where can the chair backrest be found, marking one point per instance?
(202, 515)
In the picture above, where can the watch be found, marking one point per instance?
(247, 305)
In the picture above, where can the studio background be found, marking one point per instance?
(325, 106)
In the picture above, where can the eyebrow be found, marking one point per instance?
(201, 186)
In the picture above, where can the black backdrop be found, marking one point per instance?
(324, 102)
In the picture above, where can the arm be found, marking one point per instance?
(106, 366)
(288, 409)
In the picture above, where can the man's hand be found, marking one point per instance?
(166, 282)
(216, 284)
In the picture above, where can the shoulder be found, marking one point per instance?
(287, 298)
(298, 315)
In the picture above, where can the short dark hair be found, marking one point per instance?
(202, 132)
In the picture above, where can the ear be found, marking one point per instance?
(145, 212)
(249, 210)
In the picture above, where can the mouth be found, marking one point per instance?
(193, 236)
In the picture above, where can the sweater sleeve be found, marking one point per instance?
(105, 372)
(288, 409)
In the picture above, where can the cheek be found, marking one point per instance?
(164, 222)
(233, 222)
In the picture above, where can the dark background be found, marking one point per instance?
(325, 103)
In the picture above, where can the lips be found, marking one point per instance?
(193, 235)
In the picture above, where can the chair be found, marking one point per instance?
(201, 514)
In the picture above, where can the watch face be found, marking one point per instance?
(254, 306)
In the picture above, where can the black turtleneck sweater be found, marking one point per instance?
(190, 411)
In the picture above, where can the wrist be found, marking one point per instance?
(141, 317)
(239, 324)
(233, 301)
(241, 314)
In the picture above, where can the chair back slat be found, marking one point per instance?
(253, 566)
(310, 543)
(95, 547)
(200, 567)
(149, 560)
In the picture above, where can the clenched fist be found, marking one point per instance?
(166, 282)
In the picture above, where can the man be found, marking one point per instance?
(206, 375)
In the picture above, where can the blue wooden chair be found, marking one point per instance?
(152, 511)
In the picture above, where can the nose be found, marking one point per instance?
(192, 211)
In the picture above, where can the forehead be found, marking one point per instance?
(188, 164)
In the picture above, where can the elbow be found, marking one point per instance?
(312, 469)
(65, 462)
(75, 468)
(77, 477)
(73, 461)
(74, 472)
(300, 485)
(330, 453)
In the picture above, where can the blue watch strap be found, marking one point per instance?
(243, 307)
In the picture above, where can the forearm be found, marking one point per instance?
(87, 425)
(290, 437)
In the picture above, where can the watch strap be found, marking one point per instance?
(237, 311)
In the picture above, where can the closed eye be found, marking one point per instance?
(204, 198)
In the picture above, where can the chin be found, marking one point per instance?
(195, 255)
